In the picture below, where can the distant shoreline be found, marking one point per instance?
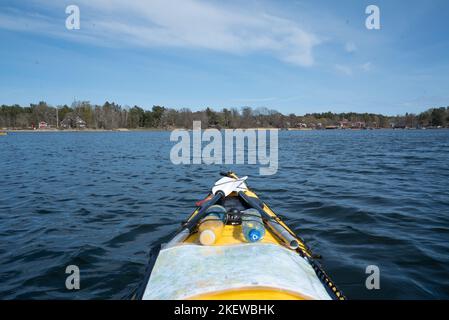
(171, 129)
(82, 115)
(79, 130)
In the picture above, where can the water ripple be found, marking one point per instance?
(101, 200)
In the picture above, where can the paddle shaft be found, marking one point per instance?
(192, 223)
(190, 226)
(277, 228)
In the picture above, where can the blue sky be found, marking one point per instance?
(293, 56)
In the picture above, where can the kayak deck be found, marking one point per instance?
(252, 294)
(233, 269)
(232, 234)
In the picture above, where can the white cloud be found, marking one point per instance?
(367, 66)
(346, 70)
(191, 24)
(350, 47)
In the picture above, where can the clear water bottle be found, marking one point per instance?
(210, 229)
(252, 225)
(212, 225)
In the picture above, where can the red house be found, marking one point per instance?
(43, 125)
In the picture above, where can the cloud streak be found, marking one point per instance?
(346, 70)
(189, 24)
(350, 47)
(367, 66)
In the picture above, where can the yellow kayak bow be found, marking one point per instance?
(278, 266)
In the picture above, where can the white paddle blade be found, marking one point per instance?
(226, 188)
(224, 180)
(228, 185)
(242, 186)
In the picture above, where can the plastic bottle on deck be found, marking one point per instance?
(252, 225)
(212, 225)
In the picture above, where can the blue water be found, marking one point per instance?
(101, 200)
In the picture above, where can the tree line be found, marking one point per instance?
(113, 116)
